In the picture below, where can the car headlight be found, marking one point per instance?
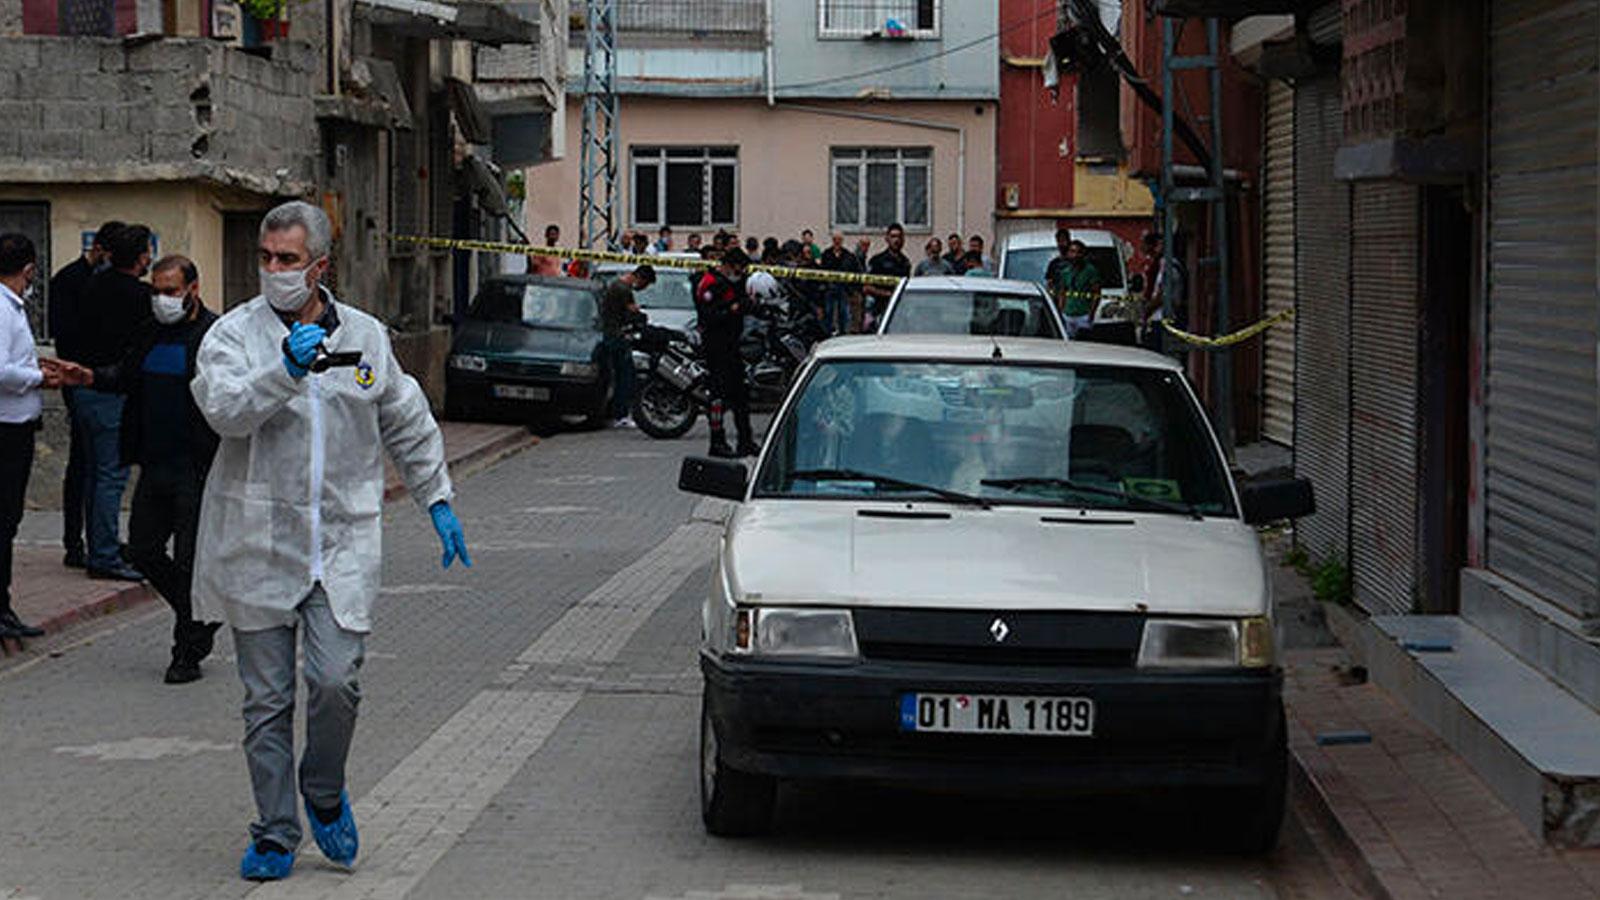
(785, 632)
(580, 369)
(1206, 643)
(468, 362)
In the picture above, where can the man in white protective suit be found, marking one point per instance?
(290, 535)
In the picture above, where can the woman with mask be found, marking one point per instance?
(163, 433)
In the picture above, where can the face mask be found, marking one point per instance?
(287, 291)
(166, 308)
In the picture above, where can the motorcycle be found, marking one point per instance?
(674, 382)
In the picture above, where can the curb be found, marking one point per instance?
(132, 595)
(485, 454)
(1328, 833)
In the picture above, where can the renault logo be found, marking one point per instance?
(998, 629)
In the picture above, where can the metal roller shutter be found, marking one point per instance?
(1322, 339)
(1540, 456)
(1384, 326)
(1277, 381)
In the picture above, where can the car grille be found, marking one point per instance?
(521, 368)
(1000, 638)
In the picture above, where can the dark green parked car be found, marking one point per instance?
(529, 349)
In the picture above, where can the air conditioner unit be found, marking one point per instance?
(1011, 194)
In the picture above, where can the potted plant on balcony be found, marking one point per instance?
(269, 16)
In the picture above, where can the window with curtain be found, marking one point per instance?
(874, 187)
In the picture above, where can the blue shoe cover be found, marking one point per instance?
(338, 839)
(269, 866)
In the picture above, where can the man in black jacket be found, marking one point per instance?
(67, 290)
(719, 302)
(164, 434)
(114, 308)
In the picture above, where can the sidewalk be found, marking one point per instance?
(47, 594)
(1405, 815)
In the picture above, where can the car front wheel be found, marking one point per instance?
(732, 803)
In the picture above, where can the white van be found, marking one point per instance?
(1026, 256)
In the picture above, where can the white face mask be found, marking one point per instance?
(287, 291)
(166, 308)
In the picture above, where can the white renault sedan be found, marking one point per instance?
(991, 564)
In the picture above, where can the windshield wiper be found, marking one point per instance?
(1014, 484)
(889, 482)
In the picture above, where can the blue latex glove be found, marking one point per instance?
(300, 348)
(450, 534)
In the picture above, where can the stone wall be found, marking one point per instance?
(103, 110)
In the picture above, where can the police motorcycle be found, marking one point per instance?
(674, 382)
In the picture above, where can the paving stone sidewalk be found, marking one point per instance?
(46, 593)
(1407, 815)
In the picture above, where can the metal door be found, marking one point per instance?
(1322, 335)
(1277, 381)
(1385, 322)
(1541, 460)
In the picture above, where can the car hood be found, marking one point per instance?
(825, 552)
(508, 339)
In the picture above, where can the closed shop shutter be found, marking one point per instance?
(1540, 455)
(1384, 328)
(1277, 381)
(1322, 337)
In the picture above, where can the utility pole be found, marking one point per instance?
(597, 185)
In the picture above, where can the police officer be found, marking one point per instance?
(720, 302)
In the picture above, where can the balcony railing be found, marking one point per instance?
(684, 18)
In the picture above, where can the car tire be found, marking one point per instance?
(732, 803)
(1260, 815)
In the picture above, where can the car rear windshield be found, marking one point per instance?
(538, 305)
(971, 312)
(674, 288)
(1031, 263)
(1094, 437)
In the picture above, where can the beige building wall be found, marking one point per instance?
(186, 217)
(783, 183)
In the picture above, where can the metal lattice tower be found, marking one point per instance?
(597, 185)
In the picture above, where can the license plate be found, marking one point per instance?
(520, 392)
(997, 714)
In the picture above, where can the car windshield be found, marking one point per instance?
(1030, 264)
(538, 305)
(971, 312)
(674, 288)
(1093, 437)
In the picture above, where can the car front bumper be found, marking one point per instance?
(566, 396)
(1152, 730)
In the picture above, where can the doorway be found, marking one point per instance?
(1448, 266)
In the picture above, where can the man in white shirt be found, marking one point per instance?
(20, 381)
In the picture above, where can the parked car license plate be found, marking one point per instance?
(520, 392)
(997, 714)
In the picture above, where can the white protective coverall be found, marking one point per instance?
(295, 493)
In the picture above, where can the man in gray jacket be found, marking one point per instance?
(290, 533)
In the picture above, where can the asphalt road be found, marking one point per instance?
(528, 730)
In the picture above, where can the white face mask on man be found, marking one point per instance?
(287, 291)
(167, 308)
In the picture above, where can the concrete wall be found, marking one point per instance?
(97, 110)
(783, 159)
(803, 58)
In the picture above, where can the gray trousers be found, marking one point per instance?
(267, 668)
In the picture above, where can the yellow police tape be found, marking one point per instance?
(641, 259)
(1228, 340)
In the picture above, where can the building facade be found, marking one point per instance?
(818, 118)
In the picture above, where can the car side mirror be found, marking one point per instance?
(1276, 499)
(714, 478)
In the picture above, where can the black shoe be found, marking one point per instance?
(75, 560)
(119, 572)
(182, 671)
(11, 626)
(721, 450)
(205, 636)
(749, 448)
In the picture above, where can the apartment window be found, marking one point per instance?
(861, 18)
(693, 186)
(874, 187)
